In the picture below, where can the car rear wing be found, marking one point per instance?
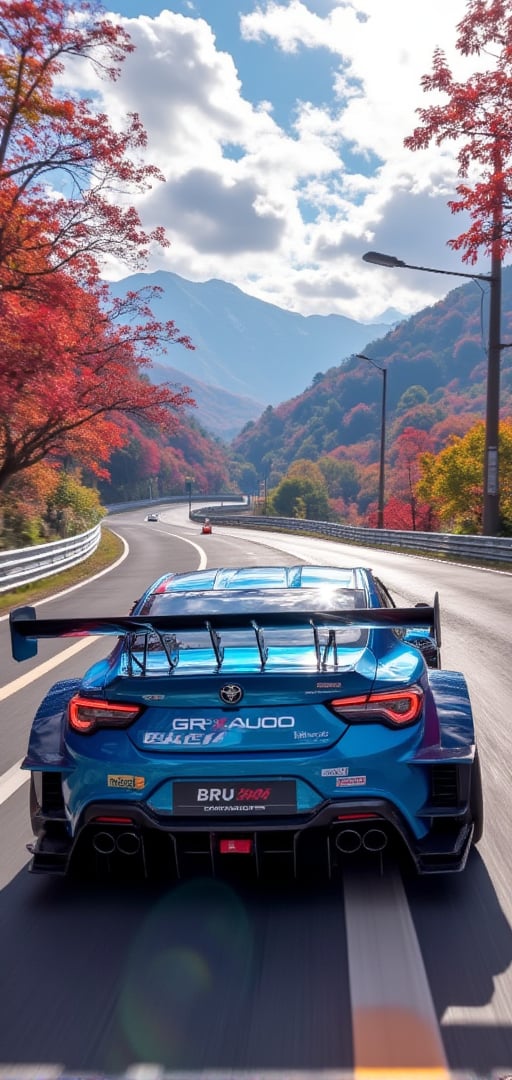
(254, 610)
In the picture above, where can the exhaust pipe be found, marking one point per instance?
(104, 843)
(348, 841)
(128, 843)
(375, 840)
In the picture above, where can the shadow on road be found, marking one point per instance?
(466, 942)
(200, 975)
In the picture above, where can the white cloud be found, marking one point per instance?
(287, 214)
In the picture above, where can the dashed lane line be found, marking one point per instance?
(11, 780)
(43, 669)
(394, 1024)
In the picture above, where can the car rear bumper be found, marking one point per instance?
(121, 835)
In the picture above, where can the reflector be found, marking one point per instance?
(235, 847)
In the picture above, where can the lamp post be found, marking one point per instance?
(384, 372)
(189, 480)
(491, 499)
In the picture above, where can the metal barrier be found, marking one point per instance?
(22, 566)
(482, 548)
(25, 565)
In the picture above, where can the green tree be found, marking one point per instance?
(302, 493)
(452, 481)
(73, 508)
(341, 477)
(414, 395)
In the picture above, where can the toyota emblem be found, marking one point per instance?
(231, 694)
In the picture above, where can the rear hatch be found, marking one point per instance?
(245, 707)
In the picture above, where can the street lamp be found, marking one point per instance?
(491, 500)
(384, 372)
(189, 480)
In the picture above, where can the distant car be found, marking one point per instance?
(276, 715)
(206, 527)
(153, 517)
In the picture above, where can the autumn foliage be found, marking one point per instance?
(73, 363)
(69, 371)
(452, 480)
(477, 115)
(65, 173)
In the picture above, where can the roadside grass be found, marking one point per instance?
(108, 551)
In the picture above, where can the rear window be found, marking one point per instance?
(205, 603)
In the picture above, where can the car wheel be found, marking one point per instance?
(476, 800)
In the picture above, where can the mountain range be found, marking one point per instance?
(248, 353)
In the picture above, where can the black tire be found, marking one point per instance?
(476, 800)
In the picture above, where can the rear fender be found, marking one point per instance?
(46, 746)
(455, 716)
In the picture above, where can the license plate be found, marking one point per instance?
(238, 799)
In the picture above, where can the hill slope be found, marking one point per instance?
(437, 374)
(217, 411)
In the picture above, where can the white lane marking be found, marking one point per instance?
(7, 782)
(203, 560)
(393, 1016)
(11, 780)
(42, 669)
(60, 658)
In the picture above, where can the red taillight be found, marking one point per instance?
(113, 819)
(87, 714)
(395, 707)
(355, 817)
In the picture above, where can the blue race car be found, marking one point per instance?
(274, 717)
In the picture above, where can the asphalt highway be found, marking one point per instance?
(376, 970)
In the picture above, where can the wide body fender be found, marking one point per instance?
(46, 745)
(454, 735)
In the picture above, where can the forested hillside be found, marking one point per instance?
(436, 383)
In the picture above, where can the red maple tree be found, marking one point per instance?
(72, 360)
(71, 368)
(477, 114)
(50, 137)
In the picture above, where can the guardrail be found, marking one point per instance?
(484, 548)
(25, 565)
(22, 566)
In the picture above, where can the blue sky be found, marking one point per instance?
(278, 126)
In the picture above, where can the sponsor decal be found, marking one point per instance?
(231, 694)
(176, 738)
(201, 730)
(350, 781)
(340, 770)
(311, 734)
(128, 783)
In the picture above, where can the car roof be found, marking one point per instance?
(263, 577)
(356, 583)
